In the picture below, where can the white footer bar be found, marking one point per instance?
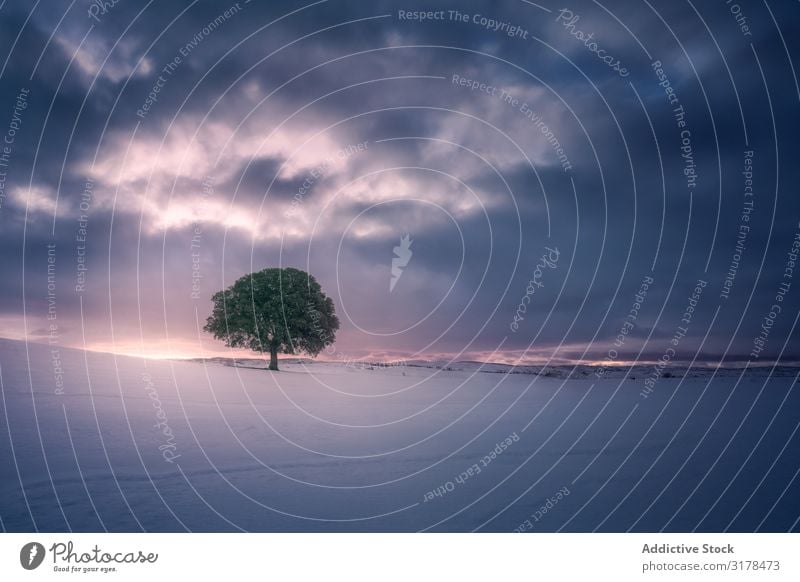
(401, 557)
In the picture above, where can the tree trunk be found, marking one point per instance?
(273, 358)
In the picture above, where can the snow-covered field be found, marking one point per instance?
(135, 444)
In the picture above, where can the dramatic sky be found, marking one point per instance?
(150, 147)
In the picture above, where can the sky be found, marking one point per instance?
(600, 182)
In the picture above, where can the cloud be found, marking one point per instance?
(92, 58)
(36, 199)
(264, 115)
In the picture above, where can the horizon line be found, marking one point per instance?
(733, 363)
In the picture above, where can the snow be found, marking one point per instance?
(134, 444)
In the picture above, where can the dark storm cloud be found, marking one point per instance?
(267, 115)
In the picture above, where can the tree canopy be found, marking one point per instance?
(277, 310)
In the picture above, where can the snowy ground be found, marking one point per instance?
(137, 444)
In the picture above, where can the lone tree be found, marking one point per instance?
(274, 310)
